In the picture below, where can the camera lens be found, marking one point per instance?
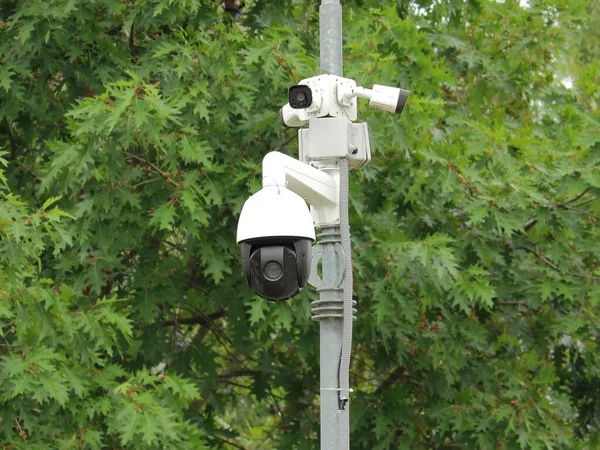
(273, 271)
(300, 96)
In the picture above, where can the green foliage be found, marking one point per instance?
(132, 132)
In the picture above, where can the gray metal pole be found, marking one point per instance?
(329, 309)
(330, 17)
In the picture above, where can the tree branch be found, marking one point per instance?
(587, 277)
(203, 320)
(11, 138)
(531, 223)
(397, 374)
(277, 149)
(228, 442)
(135, 186)
(541, 257)
(131, 39)
(285, 143)
(154, 166)
(238, 373)
(511, 303)
(546, 261)
(578, 196)
(578, 211)
(586, 201)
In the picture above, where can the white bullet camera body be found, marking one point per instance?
(275, 233)
(389, 99)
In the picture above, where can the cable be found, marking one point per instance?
(344, 396)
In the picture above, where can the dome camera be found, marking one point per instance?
(275, 233)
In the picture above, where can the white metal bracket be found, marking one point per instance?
(318, 186)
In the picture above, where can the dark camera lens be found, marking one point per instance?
(300, 97)
(273, 271)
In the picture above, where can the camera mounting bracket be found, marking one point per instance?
(319, 187)
(335, 137)
(317, 256)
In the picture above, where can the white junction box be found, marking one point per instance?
(335, 137)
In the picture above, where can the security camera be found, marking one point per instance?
(333, 96)
(275, 233)
(316, 97)
(386, 98)
(276, 229)
(300, 97)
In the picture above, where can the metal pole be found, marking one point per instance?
(330, 17)
(329, 309)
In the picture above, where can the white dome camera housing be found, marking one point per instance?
(275, 233)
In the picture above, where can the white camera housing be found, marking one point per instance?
(325, 101)
(275, 234)
(334, 96)
(275, 211)
(276, 229)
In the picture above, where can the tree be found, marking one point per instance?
(132, 134)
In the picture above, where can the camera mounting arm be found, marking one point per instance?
(319, 187)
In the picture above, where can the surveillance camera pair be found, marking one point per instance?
(276, 229)
(333, 96)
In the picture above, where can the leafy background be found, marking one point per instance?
(132, 132)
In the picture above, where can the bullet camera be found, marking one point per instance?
(275, 233)
(386, 98)
(300, 97)
(316, 97)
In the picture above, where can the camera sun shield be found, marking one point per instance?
(300, 96)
